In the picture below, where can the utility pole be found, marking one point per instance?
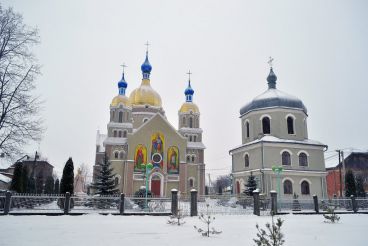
(339, 152)
(343, 168)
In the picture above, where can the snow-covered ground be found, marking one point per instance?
(96, 229)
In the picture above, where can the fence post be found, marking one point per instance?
(193, 203)
(256, 207)
(315, 201)
(354, 203)
(122, 200)
(174, 201)
(273, 202)
(7, 202)
(67, 203)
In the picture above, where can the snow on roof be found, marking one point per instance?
(4, 178)
(195, 145)
(115, 141)
(190, 130)
(272, 139)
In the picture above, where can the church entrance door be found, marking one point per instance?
(156, 186)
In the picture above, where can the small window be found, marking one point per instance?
(246, 160)
(303, 160)
(190, 138)
(191, 183)
(194, 138)
(247, 129)
(266, 127)
(116, 180)
(124, 134)
(188, 159)
(286, 160)
(288, 187)
(193, 158)
(120, 117)
(190, 122)
(116, 155)
(290, 125)
(115, 134)
(305, 188)
(119, 134)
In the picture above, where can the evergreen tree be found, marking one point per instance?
(39, 183)
(49, 185)
(17, 182)
(105, 182)
(25, 179)
(31, 186)
(67, 180)
(360, 186)
(350, 188)
(57, 187)
(251, 185)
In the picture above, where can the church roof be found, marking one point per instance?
(273, 98)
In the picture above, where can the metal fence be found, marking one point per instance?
(138, 205)
(94, 204)
(34, 203)
(295, 205)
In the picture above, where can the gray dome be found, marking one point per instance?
(273, 98)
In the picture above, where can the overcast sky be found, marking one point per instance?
(319, 47)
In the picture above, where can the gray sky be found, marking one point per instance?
(319, 49)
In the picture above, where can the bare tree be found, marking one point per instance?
(222, 182)
(19, 119)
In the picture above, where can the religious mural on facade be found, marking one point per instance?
(173, 160)
(140, 157)
(157, 150)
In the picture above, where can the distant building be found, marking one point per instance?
(4, 181)
(357, 162)
(275, 134)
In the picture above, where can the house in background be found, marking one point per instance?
(357, 162)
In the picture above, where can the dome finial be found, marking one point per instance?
(189, 91)
(146, 66)
(122, 84)
(271, 79)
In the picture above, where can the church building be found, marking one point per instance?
(275, 147)
(139, 133)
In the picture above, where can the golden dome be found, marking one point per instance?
(189, 106)
(120, 99)
(145, 95)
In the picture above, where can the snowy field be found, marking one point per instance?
(96, 229)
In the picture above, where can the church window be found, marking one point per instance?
(124, 134)
(193, 158)
(191, 183)
(183, 121)
(286, 160)
(290, 125)
(116, 155)
(303, 160)
(304, 186)
(247, 129)
(190, 138)
(188, 159)
(115, 134)
(246, 160)
(120, 117)
(194, 138)
(190, 122)
(288, 187)
(266, 126)
(119, 134)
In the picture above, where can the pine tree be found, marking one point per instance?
(57, 187)
(350, 188)
(67, 180)
(360, 186)
(49, 185)
(105, 182)
(251, 185)
(17, 182)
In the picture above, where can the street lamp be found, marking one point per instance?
(147, 167)
(278, 170)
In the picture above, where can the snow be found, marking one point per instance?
(96, 229)
(4, 178)
(196, 145)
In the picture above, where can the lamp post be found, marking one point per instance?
(147, 167)
(278, 170)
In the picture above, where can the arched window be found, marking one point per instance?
(188, 159)
(115, 134)
(116, 180)
(191, 183)
(303, 160)
(124, 134)
(288, 187)
(304, 186)
(247, 129)
(116, 155)
(193, 158)
(286, 160)
(119, 134)
(266, 125)
(183, 121)
(290, 125)
(246, 160)
(195, 138)
(190, 138)
(120, 116)
(190, 122)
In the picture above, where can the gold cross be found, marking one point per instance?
(189, 73)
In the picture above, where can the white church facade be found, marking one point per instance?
(275, 136)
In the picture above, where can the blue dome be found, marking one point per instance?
(122, 83)
(273, 98)
(146, 66)
(189, 90)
